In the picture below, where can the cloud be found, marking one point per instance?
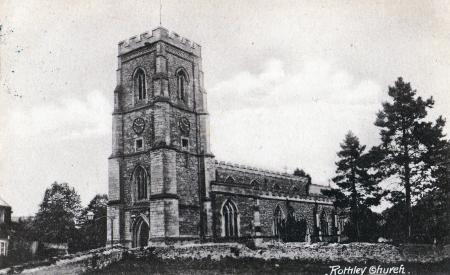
(279, 118)
(70, 118)
(66, 140)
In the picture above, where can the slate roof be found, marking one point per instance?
(4, 203)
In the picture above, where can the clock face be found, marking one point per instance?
(138, 125)
(185, 126)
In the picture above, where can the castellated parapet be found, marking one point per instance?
(159, 34)
(259, 171)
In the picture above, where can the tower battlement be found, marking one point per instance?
(159, 34)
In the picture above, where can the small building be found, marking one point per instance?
(5, 225)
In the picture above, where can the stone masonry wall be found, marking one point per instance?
(245, 206)
(267, 208)
(261, 180)
(145, 61)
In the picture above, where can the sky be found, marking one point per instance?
(286, 80)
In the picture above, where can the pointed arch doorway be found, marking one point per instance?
(140, 232)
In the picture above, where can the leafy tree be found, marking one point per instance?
(301, 173)
(370, 225)
(394, 217)
(92, 233)
(441, 193)
(58, 214)
(23, 233)
(358, 187)
(432, 226)
(407, 142)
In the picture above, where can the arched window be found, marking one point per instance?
(324, 223)
(140, 181)
(255, 184)
(276, 187)
(139, 84)
(278, 217)
(230, 219)
(229, 180)
(181, 84)
(265, 185)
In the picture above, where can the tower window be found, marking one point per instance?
(139, 144)
(184, 143)
(181, 84)
(139, 84)
(140, 181)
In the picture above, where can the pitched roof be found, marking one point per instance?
(4, 203)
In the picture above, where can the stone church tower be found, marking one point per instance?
(161, 164)
(164, 183)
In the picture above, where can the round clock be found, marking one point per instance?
(185, 126)
(138, 125)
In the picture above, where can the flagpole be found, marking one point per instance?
(160, 12)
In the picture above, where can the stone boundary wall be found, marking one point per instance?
(70, 264)
(271, 251)
(317, 252)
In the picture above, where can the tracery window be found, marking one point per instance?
(181, 84)
(277, 220)
(323, 224)
(139, 84)
(230, 219)
(140, 181)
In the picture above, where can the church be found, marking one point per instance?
(165, 184)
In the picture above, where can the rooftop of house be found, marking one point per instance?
(4, 203)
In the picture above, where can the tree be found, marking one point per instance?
(301, 173)
(23, 233)
(435, 204)
(358, 188)
(407, 142)
(58, 214)
(394, 217)
(92, 233)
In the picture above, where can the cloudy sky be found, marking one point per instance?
(285, 80)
